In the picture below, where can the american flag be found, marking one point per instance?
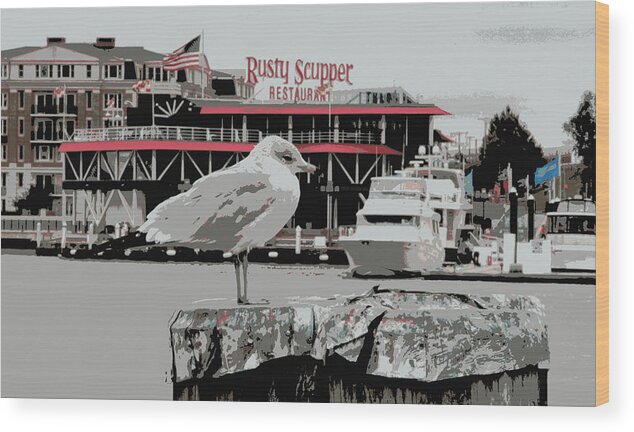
(59, 91)
(324, 89)
(206, 67)
(184, 57)
(110, 106)
(144, 86)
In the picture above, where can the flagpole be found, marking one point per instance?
(152, 92)
(560, 178)
(329, 109)
(64, 115)
(202, 50)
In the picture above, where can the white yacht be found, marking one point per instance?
(445, 187)
(572, 232)
(396, 232)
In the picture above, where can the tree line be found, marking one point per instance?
(508, 140)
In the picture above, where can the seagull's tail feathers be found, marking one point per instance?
(132, 240)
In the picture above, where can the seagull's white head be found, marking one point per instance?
(283, 152)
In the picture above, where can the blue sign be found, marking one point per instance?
(547, 172)
(468, 184)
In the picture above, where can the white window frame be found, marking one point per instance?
(40, 152)
(89, 71)
(20, 71)
(71, 71)
(158, 74)
(21, 100)
(118, 104)
(5, 100)
(5, 70)
(106, 71)
(44, 67)
(21, 152)
(5, 152)
(113, 122)
(21, 126)
(89, 99)
(20, 180)
(4, 124)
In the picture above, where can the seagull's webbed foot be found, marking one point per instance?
(241, 263)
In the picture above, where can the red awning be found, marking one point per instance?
(370, 149)
(296, 109)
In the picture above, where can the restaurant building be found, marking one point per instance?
(119, 174)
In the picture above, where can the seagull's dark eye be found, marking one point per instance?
(287, 158)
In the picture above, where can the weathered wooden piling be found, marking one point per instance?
(381, 347)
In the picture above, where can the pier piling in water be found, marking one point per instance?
(38, 234)
(513, 211)
(530, 203)
(298, 240)
(381, 347)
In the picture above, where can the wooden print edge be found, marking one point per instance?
(602, 199)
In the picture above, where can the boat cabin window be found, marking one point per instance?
(391, 219)
(395, 187)
(439, 175)
(572, 225)
(582, 206)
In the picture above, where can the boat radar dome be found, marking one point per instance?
(436, 150)
(422, 150)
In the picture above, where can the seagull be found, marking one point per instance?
(232, 210)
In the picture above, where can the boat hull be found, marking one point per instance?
(574, 258)
(369, 257)
(573, 252)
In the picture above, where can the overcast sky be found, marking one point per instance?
(471, 59)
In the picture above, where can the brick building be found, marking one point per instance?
(98, 79)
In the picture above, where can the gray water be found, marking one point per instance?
(99, 329)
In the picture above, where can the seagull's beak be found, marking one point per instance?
(308, 168)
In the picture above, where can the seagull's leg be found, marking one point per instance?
(236, 263)
(245, 265)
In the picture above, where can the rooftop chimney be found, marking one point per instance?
(55, 41)
(105, 42)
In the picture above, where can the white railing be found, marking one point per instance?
(181, 133)
(167, 133)
(29, 223)
(336, 136)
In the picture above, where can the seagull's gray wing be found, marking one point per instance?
(213, 212)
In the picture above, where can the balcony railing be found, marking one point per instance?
(175, 133)
(29, 223)
(54, 109)
(162, 87)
